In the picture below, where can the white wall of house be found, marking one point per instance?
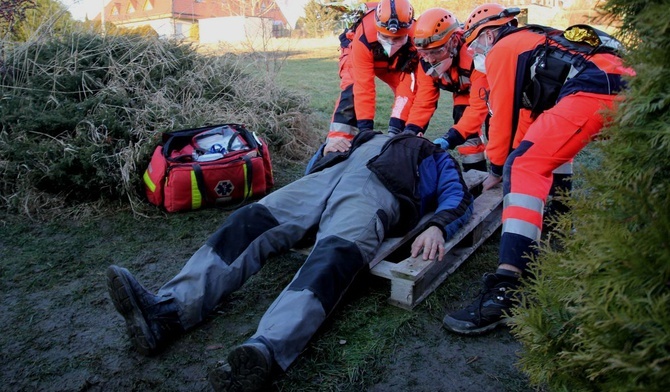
(234, 29)
(165, 27)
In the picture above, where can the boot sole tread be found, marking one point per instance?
(125, 303)
(250, 369)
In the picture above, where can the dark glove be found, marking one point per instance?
(394, 131)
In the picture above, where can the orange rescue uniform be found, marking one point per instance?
(469, 111)
(525, 148)
(362, 59)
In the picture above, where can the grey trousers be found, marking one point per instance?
(352, 211)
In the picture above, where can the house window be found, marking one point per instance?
(130, 8)
(179, 30)
(148, 5)
(116, 9)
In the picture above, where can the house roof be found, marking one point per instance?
(137, 10)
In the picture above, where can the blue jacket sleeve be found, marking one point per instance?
(314, 158)
(442, 186)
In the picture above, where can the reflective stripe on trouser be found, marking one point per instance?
(352, 226)
(565, 168)
(554, 139)
(472, 150)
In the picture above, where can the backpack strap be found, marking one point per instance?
(200, 181)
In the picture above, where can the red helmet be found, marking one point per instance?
(487, 15)
(434, 28)
(394, 17)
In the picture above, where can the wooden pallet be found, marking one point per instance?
(413, 279)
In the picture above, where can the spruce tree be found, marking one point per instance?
(597, 313)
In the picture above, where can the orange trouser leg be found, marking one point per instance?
(555, 137)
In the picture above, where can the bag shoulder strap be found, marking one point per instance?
(248, 183)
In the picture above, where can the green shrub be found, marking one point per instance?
(81, 113)
(598, 312)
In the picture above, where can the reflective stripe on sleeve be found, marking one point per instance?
(343, 130)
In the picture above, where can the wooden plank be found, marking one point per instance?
(413, 278)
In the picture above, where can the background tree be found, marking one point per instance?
(597, 316)
(320, 20)
(19, 19)
(12, 11)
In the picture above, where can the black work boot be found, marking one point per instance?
(150, 320)
(488, 310)
(248, 369)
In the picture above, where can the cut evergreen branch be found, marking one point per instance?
(81, 113)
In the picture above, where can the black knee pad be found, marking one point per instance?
(240, 229)
(329, 270)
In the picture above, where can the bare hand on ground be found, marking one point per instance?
(431, 241)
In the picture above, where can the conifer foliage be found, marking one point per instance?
(81, 113)
(597, 314)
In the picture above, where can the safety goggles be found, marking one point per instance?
(480, 45)
(508, 12)
(438, 52)
(423, 42)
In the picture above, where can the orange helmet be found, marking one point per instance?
(487, 15)
(394, 17)
(434, 28)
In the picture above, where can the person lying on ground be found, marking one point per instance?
(381, 187)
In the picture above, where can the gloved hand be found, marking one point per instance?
(442, 142)
(394, 131)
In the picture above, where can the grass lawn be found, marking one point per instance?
(60, 331)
